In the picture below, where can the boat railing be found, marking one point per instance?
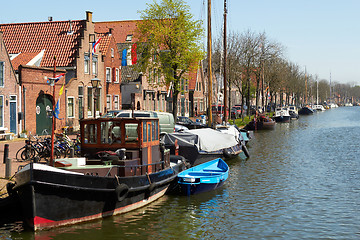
(136, 167)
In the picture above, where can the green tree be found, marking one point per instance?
(171, 42)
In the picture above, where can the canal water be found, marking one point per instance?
(302, 181)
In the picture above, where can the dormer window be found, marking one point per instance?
(129, 38)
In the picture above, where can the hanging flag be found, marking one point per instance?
(95, 46)
(128, 57)
(123, 59)
(61, 91)
(57, 78)
(133, 54)
(57, 110)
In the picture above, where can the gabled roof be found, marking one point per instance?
(55, 37)
(23, 59)
(104, 42)
(120, 29)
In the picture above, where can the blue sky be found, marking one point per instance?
(321, 35)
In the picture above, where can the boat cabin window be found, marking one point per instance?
(131, 131)
(90, 133)
(110, 132)
(144, 132)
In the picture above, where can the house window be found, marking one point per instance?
(70, 107)
(89, 101)
(81, 101)
(87, 63)
(129, 38)
(108, 74)
(94, 65)
(108, 101)
(116, 102)
(2, 73)
(117, 75)
(112, 52)
(1, 111)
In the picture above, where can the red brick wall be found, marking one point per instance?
(33, 82)
(10, 87)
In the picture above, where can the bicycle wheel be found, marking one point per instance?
(18, 154)
(27, 154)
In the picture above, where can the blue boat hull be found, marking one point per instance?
(191, 189)
(204, 177)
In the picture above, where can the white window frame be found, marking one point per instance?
(73, 107)
(108, 76)
(116, 102)
(108, 101)
(94, 65)
(87, 63)
(117, 75)
(2, 83)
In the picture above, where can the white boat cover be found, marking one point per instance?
(205, 139)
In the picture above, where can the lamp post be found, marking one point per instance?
(95, 84)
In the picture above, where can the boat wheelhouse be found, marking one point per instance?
(123, 168)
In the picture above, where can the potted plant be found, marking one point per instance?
(23, 134)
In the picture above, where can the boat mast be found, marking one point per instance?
(225, 82)
(306, 97)
(330, 88)
(317, 91)
(209, 65)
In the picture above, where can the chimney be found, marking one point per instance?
(70, 28)
(88, 16)
(50, 18)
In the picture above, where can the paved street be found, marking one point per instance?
(14, 145)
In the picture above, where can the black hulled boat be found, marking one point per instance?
(123, 168)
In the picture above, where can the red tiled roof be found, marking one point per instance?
(104, 42)
(120, 29)
(23, 59)
(51, 36)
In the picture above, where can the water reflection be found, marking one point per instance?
(301, 182)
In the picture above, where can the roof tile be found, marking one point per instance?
(51, 36)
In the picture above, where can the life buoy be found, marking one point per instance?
(151, 187)
(121, 192)
(227, 153)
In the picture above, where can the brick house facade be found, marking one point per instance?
(72, 44)
(9, 93)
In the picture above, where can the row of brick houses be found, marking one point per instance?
(31, 53)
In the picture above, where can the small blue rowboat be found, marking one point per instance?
(204, 177)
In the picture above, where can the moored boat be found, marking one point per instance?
(204, 177)
(125, 168)
(293, 111)
(261, 122)
(306, 111)
(282, 114)
(202, 145)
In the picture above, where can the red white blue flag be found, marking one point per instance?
(58, 77)
(95, 46)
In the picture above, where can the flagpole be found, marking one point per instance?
(52, 163)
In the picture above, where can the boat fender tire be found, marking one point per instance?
(245, 150)
(121, 192)
(151, 187)
(10, 188)
(227, 153)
